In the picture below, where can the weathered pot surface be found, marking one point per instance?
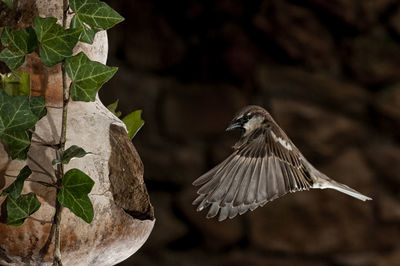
(123, 215)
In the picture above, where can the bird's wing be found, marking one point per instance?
(262, 169)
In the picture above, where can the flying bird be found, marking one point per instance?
(265, 165)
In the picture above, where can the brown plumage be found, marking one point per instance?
(265, 165)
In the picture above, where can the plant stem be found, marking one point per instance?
(60, 167)
(57, 221)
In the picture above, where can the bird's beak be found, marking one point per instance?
(233, 126)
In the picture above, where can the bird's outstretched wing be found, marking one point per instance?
(261, 169)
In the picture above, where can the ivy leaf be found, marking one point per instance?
(16, 118)
(12, 60)
(17, 142)
(92, 16)
(56, 43)
(70, 153)
(18, 43)
(38, 107)
(16, 83)
(133, 122)
(9, 3)
(76, 186)
(88, 33)
(15, 189)
(113, 107)
(87, 76)
(15, 113)
(96, 13)
(18, 209)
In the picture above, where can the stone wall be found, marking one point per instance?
(329, 72)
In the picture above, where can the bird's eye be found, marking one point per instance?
(244, 119)
(247, 117)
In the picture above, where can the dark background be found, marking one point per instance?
(328, 71)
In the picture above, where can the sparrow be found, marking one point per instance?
(264, 166)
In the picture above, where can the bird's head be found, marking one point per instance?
(249, 118)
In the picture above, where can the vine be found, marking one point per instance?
(19, 112)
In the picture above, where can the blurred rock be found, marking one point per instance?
(175, 258)
(385, 158)
(357, 259)
(387, 106)
(391, 259)
(373, 58)
(297, 224)
(387, 237)
(350, 11)
(316, 131)
(216, 234)
(167, 228)
(297, 32)
(249, 258)
(389, 208)
(180, 168)
(394, 21)
(149, 42)
(241, 55)
(199, 110)
(221, 148)
(351, 168)
(282, 82)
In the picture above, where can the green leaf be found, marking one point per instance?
(87, 76)
(16, 83)
(70, 153)
(17, 142)
(133, 122)
(15, 189)
(38, 106)
(12, 60)
(9, 3)
(88, 33)
(113, 107)
(15, 113)
(18, 114)
(76, 186)
(56, 43)
(18, 209)
(19, 41)
(92, 16)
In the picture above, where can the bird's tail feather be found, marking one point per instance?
(332, 184)
(322, 181)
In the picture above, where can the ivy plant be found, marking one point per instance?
(19, 112)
